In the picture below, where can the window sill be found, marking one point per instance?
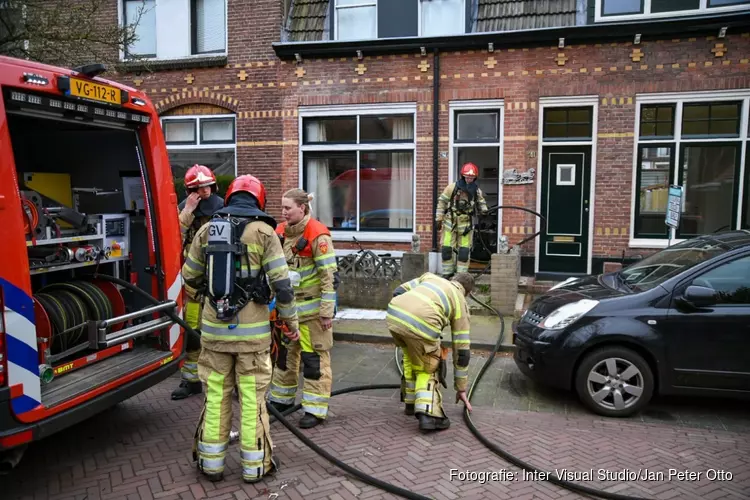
(657, 244)
(188, 62)
(371, 236)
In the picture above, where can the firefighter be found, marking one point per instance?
(456, 206)
(416, 316)
(194, 211)
(236, 263)
(308, 248)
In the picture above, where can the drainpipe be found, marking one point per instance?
(435, 140)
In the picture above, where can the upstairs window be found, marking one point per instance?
(606, 10)
(356, 19)
(176, 29)
(369, 19)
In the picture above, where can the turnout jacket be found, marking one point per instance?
(447, 209)
(251, 329)
(423, 307)
(316, 264)
(190, 222)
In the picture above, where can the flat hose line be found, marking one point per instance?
(366, 478)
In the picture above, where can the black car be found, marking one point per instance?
(677, 322)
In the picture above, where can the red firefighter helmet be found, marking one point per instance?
(199, 176)
(469, 169)
(248, 184)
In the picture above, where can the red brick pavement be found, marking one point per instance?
(141, 450)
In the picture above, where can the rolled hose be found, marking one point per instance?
(372, 480)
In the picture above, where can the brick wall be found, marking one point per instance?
(266, 93)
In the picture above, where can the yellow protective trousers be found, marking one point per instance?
(192, 316)
(252, 372)
(313, 350)
(419, 384)
(457, 234)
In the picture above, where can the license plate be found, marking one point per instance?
(95, 91)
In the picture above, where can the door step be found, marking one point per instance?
(85, 379)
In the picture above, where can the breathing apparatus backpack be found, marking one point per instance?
(228, 290)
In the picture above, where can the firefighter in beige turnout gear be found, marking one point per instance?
(417, 314)
(456, 206)
(309, 252)
(236, 332)
(196, 210)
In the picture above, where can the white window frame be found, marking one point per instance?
(198, 145)
(679, 99)
(702, 9)
(362, 3)
(357, 111)
(455, 107)
(189, 55)
(568, 102)
(419, 19)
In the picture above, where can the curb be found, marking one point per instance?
(380, 339)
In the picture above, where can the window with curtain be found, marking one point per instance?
(142, 14)
(209, 26)
(697, 145)
(361, 170)
(200, 139)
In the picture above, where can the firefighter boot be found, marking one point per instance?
(280, 406)
(409, 410)
(187, 389)
(430, 423)
(308, 421)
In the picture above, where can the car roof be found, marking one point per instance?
(731, 239)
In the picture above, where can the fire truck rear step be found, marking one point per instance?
(84, 380)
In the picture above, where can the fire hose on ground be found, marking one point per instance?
(366, 478)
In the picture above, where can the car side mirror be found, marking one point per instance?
(700, 296)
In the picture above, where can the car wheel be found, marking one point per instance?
(614, 382)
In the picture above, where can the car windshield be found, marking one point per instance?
(658, 268)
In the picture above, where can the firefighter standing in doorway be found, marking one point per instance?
(238, 256)
(417, 314)
(194, 211)
(308, 248)
(456, 207)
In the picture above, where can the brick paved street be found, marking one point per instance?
(141, 449)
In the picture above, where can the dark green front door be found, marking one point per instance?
(566, 179)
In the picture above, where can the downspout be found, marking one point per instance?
(435, 140)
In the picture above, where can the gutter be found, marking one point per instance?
(592, 33)
(435, 141)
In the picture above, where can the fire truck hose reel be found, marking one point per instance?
(280, 416)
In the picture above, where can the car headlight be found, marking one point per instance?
(568, 314)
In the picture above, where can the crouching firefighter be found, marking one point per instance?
(416, 316)
(194, 211)
(456, 207)
(238, 255)
(308, 249)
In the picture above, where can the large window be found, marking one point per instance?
(173, 29)
(208, 140)
(369, 19)
(359, 163)
(606, 10)
(697, 142)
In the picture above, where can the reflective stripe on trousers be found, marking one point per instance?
(251, 448)
(282, 394)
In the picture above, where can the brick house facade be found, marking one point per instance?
(588, 124)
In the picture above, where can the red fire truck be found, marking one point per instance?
(88, 222)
